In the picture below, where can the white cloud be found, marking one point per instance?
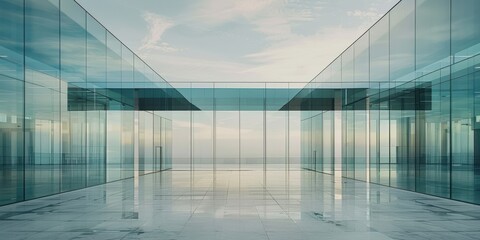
(300, 58)
(165, 47)
(275, 28)
(157, 25)
(370, 14)
(296, 58)
(269, 17)
(196, 68)
(214, 12)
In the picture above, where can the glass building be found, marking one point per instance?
(69, 116)
(396, 108)
(408, 103)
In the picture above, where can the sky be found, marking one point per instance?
(238, 40)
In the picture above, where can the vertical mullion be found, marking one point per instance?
(450, 107)
(60, 95)
(24, 104)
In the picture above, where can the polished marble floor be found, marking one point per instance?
(245, 205)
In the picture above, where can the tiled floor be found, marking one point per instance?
(245, 205)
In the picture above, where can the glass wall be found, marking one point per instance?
(416, 109)
(67, 113)
(42, 98)
(236, 126)
(12, 102)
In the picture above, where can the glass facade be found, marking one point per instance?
(408, 102)
(396, 108)
(237, 126)
(60, 71)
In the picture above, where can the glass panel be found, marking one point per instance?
(202, 97)
(374, 148)
(362, 59)
(347, 65)
(349, 141)
(12, 100)
(128, 101)
(360, 140)
(433, 134)
(227, 126)
(182, 127)
(277, 125)
(96, 119)
(42, 95)
(128, 116)
(11, 140)
(317, 142)
(379, 112)
(73, 58)
(328, 142)
(465, 29)
(145, 142)
(432, 35)
(142, 165)
(114, 162)
(168, 144)
(402, 41)
(402, 136)
(294, 135)
(114, 145)
(42, 39)
(127, 124)
(251, 125)
(380, 50)
(362, 77)
(11, 39)
(114, 73)
(384, 139)
(465, 125)
(157, 143)
(96, 171)
(307, 153)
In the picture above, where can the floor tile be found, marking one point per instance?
(240, 205)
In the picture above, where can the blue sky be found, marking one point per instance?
(231, 40)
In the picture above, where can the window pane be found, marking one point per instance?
(73, 57)
(380, 50)
(465, 28)
(11, 99)
(42, 95)
(11, 140)
(11, 39)
(432, 35)
(96, 102)
(402, 41)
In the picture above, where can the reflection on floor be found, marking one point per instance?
(240, 205)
